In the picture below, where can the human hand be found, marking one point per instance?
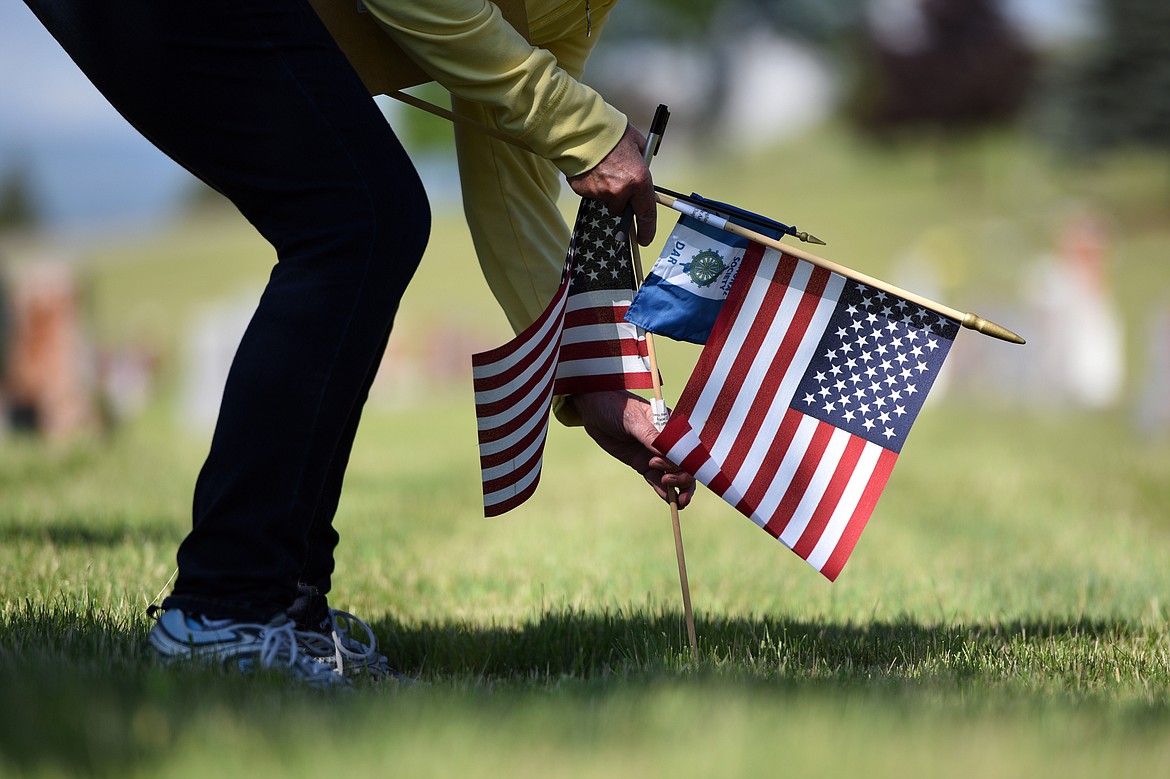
(623, 425)
(622, 179)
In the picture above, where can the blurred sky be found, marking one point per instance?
(87, 164)
(88, 167)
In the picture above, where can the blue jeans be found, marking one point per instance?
(254, 98)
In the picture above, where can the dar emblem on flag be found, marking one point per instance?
(802, 400)
(686, 287)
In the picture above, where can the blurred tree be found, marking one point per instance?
(811, 20)
(676, 18)
(943, 65)
(198, 198)
(18, 206)
(1119, 93)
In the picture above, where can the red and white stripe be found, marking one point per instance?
(599, 349)
(513, 395)
(811, 485)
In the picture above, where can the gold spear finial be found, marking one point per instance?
(979, 324)
(809, 238)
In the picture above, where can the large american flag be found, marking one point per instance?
(803, 398)
(580, 343)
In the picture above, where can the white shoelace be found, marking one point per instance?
(340, 643)
(278, 640)
(279, 645)
(341, 623)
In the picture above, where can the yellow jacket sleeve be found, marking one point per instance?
(469, 48)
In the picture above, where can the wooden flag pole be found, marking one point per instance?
(970, 321)
(657, 127)
(659, 407)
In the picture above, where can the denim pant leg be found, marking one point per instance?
(253, 97)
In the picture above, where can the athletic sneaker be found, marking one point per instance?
(245, 646)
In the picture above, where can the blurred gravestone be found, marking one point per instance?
(1077, 322)
(5, 343)
(18, 207)
(1152, 414)
(211, 343)
(50, 376)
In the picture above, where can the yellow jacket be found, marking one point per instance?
(469, 48)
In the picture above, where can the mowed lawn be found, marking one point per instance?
(1005, 613)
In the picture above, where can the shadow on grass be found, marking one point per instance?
(81, 531)
(90, 698)
(572, 644)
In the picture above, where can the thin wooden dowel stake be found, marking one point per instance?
(682, 577)
(677, 525)
(454, 118)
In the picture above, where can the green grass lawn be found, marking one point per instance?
(1006, 612)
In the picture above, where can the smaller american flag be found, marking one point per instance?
(579, 344)
(802, 400)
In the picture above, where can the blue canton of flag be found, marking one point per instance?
(685, 289)
(874, 366)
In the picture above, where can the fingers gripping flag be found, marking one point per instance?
(580, 343)
(802, 400)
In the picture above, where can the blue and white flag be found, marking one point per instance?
(685, 289)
